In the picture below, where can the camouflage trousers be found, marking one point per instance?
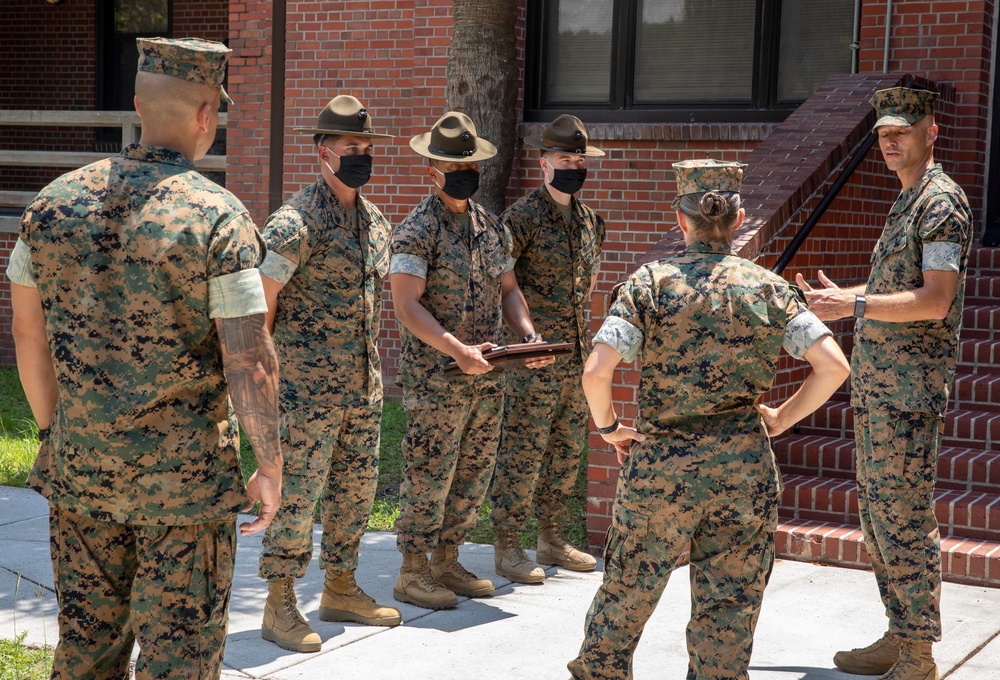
(544, 433)
(166, 587)
(449, 452)
(896, 468)
(731, 554)
(331, 457)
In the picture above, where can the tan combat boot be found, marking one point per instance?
(417, 586)
(343, 600)
(453, 576)
(283, 624)
(511, 562)
(553, 548)
(915, 663)
(875, 659)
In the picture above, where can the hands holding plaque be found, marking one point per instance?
(526, 351)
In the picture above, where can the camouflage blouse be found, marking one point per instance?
(133, 256)
(554, 262)
(911, 366)
(332, 263)
(462, 267)
(709, 327)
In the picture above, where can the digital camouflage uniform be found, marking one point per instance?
(545, 424)
(453, 422)
(134, 257)
(331, 262)
(901, 375)
(709, 327)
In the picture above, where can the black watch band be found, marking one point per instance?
(610, 428)
(859, 306)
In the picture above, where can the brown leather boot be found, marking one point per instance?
(453, 576)
(283, 624)
(511, 561)
(417, 586)
(915, 663)
(875, 659)
(343, 600)
(553, 548)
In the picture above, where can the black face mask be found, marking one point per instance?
(568, 181)
(355, 171)
(460, 184)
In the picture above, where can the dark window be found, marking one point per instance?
(119, 24)
(682, 60)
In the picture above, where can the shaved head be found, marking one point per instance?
(165, 101)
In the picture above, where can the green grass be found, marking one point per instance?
(19, 444)
(19, 661)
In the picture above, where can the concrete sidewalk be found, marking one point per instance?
(523, 632)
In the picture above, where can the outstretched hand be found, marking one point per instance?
(829, 302)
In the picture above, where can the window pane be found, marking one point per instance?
(815, 44)
(141, 16)
(578, 66)
(694, 51)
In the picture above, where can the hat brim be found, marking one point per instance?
(421, 144)
(894, 121)
(343, 133)
(225, 96)
(536, 142)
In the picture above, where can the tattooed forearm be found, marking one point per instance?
(251, 367)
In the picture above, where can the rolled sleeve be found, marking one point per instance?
(234, 295)
(403, 263)
(802, 332)
(621, 336)
(19, 266)
(277, 267)
(942, 256)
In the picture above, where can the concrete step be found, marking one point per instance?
(963, 560)
(969, 514)
(959, 468)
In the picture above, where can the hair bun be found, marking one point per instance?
(712, 205)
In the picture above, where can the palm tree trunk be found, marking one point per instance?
(482, 83)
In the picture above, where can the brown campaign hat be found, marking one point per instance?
(344, 115)
(707, 174)
(566, 134)
(902, 106)
(453, 138)
(191, 59)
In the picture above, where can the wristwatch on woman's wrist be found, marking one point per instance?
(610, 428)
(859, 306)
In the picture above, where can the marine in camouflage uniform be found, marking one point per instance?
(328, 253)
(134, 262)
(452, 284)
(902, 367)
(700, 475)
(557, 244)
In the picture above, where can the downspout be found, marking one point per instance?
(888, 26)
(856, 42)
(276, 149)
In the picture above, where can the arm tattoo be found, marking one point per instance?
(251, 367)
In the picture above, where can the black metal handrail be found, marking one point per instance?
(820, 210)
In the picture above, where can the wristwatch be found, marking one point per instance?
(859, 306)
(531, 337)
(610, 428)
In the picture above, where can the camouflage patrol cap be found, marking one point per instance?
(902, 106)
(191, 59)
(707, 174)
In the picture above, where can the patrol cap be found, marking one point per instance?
(706, 174)
(902, 106)
(191, 59)
(566, 134)
(344, 115)
(453, 138)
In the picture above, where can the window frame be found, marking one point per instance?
(764, 106)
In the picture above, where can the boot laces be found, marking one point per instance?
(289, 603)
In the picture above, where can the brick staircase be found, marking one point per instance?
(819, 510)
